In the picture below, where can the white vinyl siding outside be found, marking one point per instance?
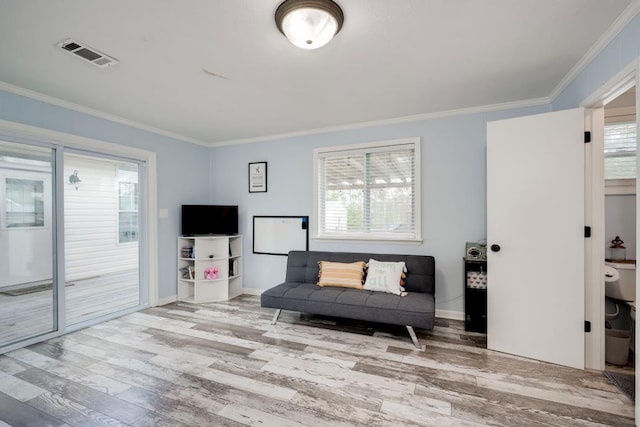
(368, 191)
(93, 206)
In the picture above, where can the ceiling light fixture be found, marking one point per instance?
(309, 24)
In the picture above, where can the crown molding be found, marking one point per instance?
(405, 119)
(17, 90)
(615, 86)
(618, 25)
(533, 102)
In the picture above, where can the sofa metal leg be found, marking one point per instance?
(275, 316)
(413, 336)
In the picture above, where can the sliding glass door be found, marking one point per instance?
(27, 280)
(71, 239)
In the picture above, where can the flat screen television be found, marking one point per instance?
(209, 219)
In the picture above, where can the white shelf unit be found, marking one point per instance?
(197, 253)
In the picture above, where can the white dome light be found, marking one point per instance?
(309, 24)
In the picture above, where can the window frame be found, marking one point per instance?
(320, 235)
(35, 202)
(33, 173)
(119, 182)
(620, 186)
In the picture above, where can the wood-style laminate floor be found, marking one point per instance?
(224, 364)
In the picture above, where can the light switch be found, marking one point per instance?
(164, 213)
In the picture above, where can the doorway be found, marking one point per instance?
(620, 200)
(626, 79)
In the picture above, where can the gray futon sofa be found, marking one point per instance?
(300, 292)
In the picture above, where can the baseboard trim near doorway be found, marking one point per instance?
(450, 314)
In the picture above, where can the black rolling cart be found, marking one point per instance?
(475, 295)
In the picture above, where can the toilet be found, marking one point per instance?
(620, 281)
(620, 293)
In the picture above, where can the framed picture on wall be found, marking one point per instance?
(258, 177)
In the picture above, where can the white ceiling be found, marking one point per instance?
(392, 59)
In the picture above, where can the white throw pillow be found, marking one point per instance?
(384, 276)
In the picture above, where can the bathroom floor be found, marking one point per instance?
(629, 368)
(623, 377)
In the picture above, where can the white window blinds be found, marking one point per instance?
(620, 150)
(128, 197)
(368, 192)
(24, 202)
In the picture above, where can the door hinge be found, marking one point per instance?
(587, 326)
(587, 231)
(587, 137)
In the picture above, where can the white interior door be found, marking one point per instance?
(535, 214)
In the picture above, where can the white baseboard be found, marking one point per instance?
(252, 291)
(166, 300)
(450, 314)
(174, 298)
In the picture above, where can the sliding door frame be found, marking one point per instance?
(57, 297)
(148, 260)
(143, 284)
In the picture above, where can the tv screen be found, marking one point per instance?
(209, 219)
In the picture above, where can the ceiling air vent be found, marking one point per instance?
(87, 53)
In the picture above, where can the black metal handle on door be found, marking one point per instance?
(495, 248)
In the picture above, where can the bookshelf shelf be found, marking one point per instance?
(199, 253)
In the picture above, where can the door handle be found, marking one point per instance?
(495, 248)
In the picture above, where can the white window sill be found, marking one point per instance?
(366, 240)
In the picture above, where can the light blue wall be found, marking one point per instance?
(620, 220)
(453, 192)
(620, 52)
(183, 168)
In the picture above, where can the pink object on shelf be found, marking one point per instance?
(211, 273)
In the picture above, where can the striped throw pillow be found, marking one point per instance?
(341, 274)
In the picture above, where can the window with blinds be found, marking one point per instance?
(24, 202)
(368, 191)
(128, 203)
(620, 150)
